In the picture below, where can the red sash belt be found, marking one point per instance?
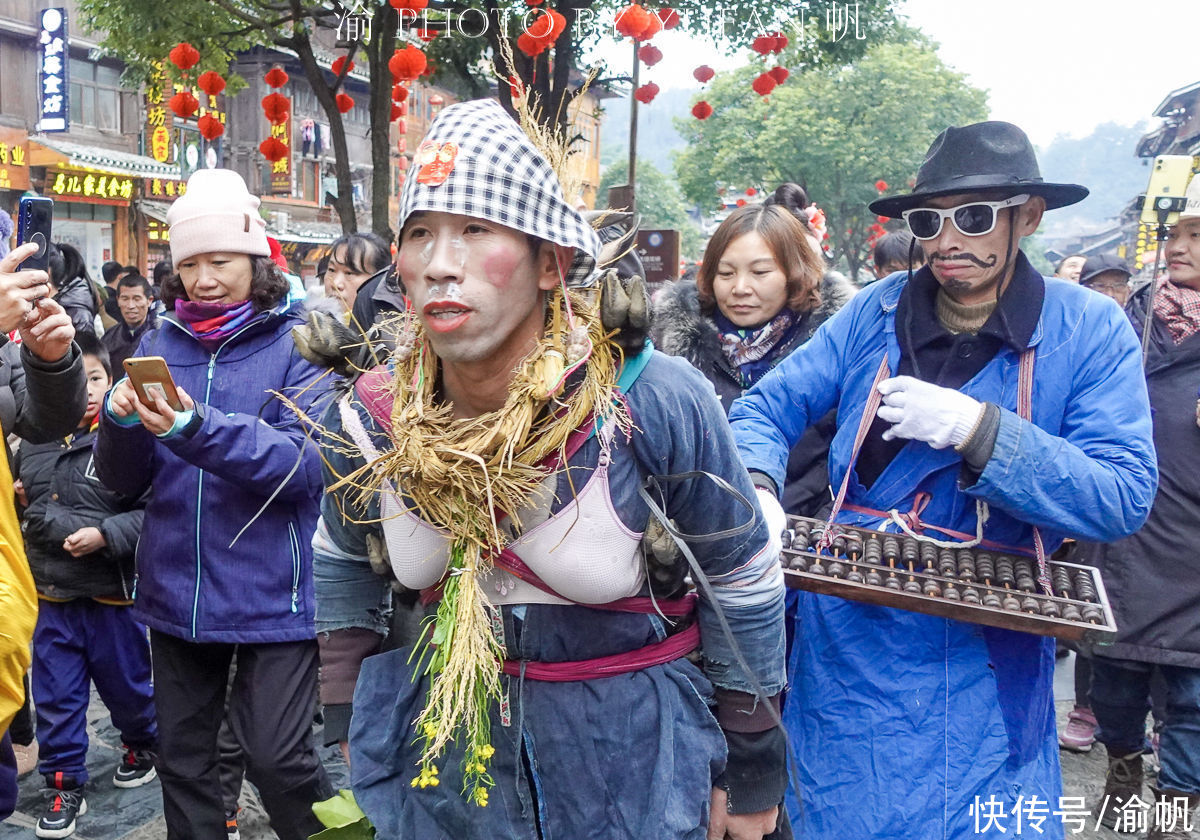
(658, 653)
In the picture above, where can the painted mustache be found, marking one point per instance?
(990, 262)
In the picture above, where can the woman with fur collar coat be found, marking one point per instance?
(761, 291)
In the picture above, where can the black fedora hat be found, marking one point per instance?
(983, 156)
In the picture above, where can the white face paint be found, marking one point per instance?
(457, 248)
(446, 291)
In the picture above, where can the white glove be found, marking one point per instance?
(774, 517)
(920, 411)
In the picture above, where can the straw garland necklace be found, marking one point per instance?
(464, 475)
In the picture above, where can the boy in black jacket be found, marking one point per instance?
(80, 539)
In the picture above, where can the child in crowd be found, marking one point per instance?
(80, 539)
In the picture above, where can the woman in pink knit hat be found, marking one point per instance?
(224, 563)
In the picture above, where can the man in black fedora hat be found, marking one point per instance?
(978, 402)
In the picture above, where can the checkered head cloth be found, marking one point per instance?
(497, 174)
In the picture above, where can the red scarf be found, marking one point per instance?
(1178, 307)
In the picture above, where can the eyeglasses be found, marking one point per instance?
(974, 219)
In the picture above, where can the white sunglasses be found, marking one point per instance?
(974, 219)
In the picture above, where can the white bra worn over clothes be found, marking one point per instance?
(584, 552)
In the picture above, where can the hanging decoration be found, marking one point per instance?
(635, 22)
(276, 77)
(763, 84)
(399, 93)
(669, 17)
(751, 192)
(276, 108)
(427, 35)
(211, 83)
(344, 101)
(646, 93)
(272, 149)
(702, 110)
(210, 127)
(183, 104)
(409, 5)
(703, 74)
(339, 63)
(779, 74)
(650, 55)
(407, 64)
(184, 56)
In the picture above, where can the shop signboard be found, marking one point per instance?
(54, 84)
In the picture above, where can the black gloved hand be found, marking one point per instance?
(625, 307)
(326, 342)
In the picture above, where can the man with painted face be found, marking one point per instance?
(598, 725)
(908, 725)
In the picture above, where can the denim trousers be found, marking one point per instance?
(1121, 699)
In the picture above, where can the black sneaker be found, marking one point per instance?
(59, 817)
(231, 826)
(136, 769)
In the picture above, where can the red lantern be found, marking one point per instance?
(409, 5)
(276, 77)
(881, 185)
(402, 164)
(407, 64)
(211, 83)
(344, 102)
(750, 191)
(646, 93)
(653, 27)
(338, 64)
(763, 44)
(272, 149)
(650, 55)
(703, 74)
(276, 108)
(427, 35)
(184, 56)
(632, 21)
(395, 113)
(763, 85)
(402, 127)
(399, 93)
(183, 104)
(781, 42)
(210, 127)
(741, 202)
(779, 74)
(547, 27)
(669, 17)
(532, 47)
(403, 106)
(702, 110)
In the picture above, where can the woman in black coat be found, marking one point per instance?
(761, 292)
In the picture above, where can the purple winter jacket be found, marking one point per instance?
(225, 552)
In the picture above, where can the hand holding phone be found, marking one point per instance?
(19, 290)
(151, 377)
(35, 220)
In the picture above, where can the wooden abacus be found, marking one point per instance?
(977, 585)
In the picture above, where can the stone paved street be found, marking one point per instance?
(115, 814)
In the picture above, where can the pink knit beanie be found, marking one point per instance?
(217, 213)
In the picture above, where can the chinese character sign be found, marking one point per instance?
(281, 170)
(98, 187)
(53, 82)
(14, 163)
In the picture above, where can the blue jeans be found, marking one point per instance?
(1120, 700)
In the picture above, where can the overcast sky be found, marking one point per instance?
(1051, 66)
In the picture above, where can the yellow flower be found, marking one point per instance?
(481, 797)
(486, 751)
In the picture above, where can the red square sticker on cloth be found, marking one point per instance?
(436, 162)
